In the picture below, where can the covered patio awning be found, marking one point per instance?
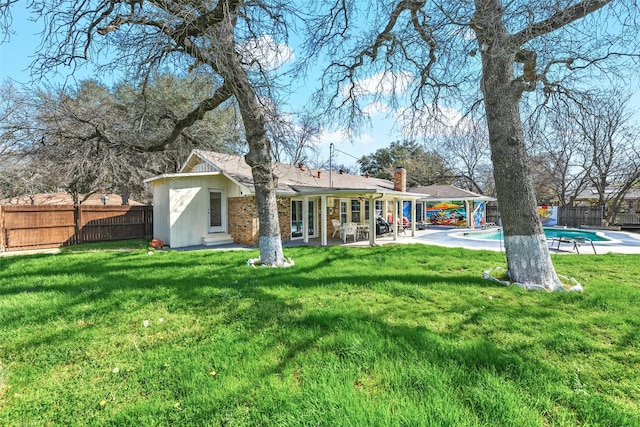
(443, 196)
(370, 194)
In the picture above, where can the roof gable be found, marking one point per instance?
(198, 163)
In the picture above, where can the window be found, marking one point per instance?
(312, 218)
(355, 210)
(378, 208)
(344, 211)
(296, 218)
(419, 213)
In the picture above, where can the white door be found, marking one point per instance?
(297, 219)
(217, 214)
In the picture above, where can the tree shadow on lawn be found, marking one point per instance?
(358, 343)
(247, 298)
(62, 286)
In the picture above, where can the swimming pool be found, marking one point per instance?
(551, 233)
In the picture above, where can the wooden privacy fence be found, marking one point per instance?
(628, 219)
(51, 226)
(492, 214)
(580, 216)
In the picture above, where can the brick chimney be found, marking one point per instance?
(400, 179)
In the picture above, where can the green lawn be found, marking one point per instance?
(388, 336)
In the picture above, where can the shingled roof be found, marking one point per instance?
(291, 178)
(592, 194)
(436, 193)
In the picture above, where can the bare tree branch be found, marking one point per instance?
(221, 95)
(559, 20)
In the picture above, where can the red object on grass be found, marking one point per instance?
(156, 244)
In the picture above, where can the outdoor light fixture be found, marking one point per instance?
(105, 199)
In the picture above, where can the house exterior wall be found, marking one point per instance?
(188, 213)
(284, 216)
(243, 219)
(181, 206)
(244, 225)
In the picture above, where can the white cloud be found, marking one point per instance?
(337, 137)
(468, 34)
(376, 89)
(385, 83)
(377, 108)
(350, 147)
(430, 121)
(266, 52)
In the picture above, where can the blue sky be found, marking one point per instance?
(13, 58)
(17, 54)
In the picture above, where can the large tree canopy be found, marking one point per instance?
(590, 141)
(433, 56)
(89, 137)
(231, 41)
(423, 168)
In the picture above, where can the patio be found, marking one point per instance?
(621, 242)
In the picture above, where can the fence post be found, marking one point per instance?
(78, 224)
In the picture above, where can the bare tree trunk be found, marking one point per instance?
(528, 258)
(259, 158)
(259, 155)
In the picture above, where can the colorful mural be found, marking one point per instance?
(548, 215)
(446, 213)
(449, 213)
(479, 213)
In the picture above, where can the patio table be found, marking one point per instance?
(363, 230)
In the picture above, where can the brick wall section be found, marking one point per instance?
(243, 221)
(284, 214)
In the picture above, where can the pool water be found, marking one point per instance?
(551, 233)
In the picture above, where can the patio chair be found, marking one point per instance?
(382, 226)
(349, 229)
(404, 225)
(336, 227)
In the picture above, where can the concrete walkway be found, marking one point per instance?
(621, 242)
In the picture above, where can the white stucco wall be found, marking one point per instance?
(188, 206)
(161, 212)
(188, 214)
